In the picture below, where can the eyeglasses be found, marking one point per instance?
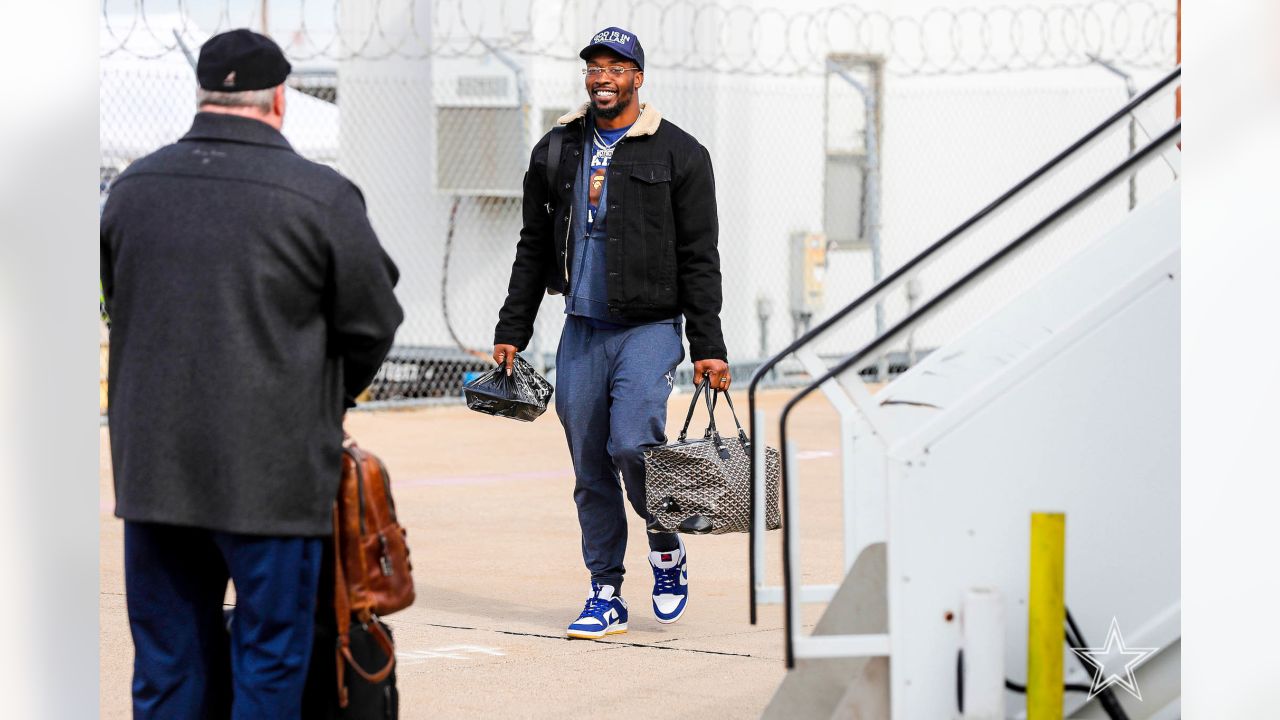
(614, 71)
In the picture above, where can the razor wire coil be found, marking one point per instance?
(682, 34)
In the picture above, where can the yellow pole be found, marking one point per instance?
(1046, 617)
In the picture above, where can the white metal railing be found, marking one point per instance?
(852, 400)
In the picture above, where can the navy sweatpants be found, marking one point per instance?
(186, 664)
(612, 388)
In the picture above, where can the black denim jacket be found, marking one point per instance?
(662, 258)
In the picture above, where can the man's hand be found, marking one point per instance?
(716, 370)
(504, 355)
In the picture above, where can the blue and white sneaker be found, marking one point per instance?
(604, 614)
(670, 583)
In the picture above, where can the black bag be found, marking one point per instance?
(704, 486)
(365, 700)
(522, 395)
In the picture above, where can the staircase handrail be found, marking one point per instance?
(915, 264)
(997, 260)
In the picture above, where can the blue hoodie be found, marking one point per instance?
(588, 289)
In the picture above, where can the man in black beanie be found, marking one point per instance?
(250, 302)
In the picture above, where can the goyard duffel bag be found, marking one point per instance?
(703, 486)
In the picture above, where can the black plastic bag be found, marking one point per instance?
(522, 395)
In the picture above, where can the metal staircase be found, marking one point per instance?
(880, 649)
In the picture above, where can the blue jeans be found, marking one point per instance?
(612, 388)
(186, 664)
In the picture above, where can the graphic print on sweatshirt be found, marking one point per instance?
(603, 142)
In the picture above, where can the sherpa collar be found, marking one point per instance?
(646, 124)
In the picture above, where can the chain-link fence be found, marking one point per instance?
(432, 107)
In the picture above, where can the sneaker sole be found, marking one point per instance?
(580, 635)
(658, 617)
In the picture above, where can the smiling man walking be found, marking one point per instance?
(624, 225)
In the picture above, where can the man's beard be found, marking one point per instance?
(621, 102)
(608, 113)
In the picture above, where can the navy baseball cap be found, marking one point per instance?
(618, 41)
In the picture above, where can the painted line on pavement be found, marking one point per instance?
(445, 652)
(107, 506)
(483, 479)
(620, 643)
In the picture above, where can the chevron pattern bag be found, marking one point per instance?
(703, 486)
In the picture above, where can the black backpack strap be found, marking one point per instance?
(553, 163)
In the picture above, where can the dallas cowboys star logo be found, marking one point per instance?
(1113, 663)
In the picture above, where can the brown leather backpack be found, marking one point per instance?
(372, 572)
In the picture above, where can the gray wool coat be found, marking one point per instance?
(250, 301)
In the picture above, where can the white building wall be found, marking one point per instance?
(949, 146)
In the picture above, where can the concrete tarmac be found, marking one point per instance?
(488, 504)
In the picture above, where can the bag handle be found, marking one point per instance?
(387, 646)
(742, 434)
(693, 403)
(711, 432)
(342, 609)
